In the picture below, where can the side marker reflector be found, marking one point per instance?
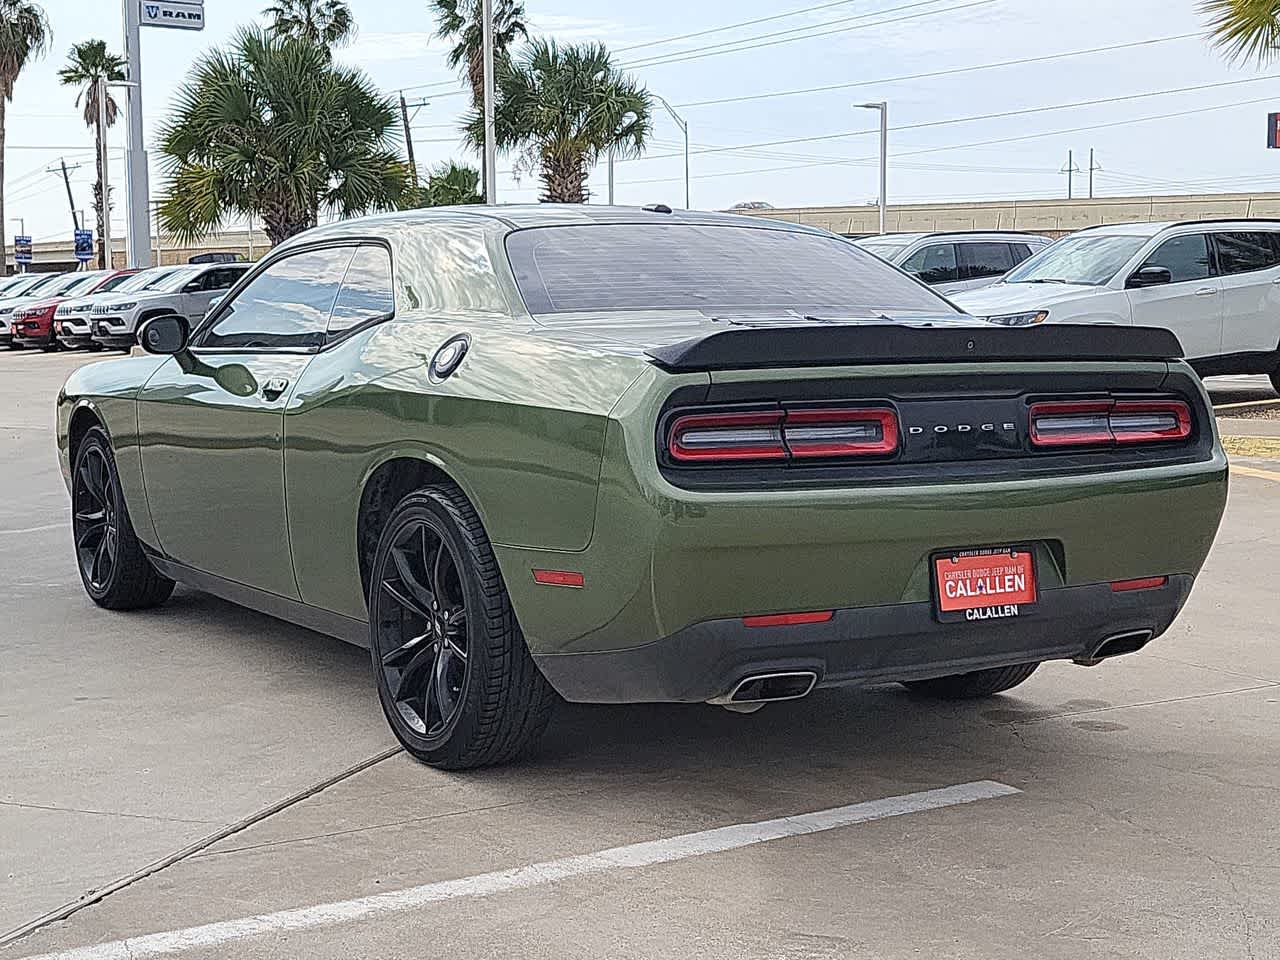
(788, 619)
(1142, 583)
(559, 578)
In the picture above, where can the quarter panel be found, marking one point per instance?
(520, 427)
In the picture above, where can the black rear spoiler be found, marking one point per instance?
(814, 345)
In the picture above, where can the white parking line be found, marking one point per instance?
(486, 884)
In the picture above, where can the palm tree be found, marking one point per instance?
(325, 22)
(24, 36)
(451, 185)
(270, 127)
(91, 66)
(462, 22)
(1245, 29)
(561, 109)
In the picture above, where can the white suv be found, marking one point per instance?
(1214, 283)
(187, 290)
(951, 262)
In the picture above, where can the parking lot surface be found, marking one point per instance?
(1127, 810)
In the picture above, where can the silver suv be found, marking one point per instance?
(188, 291)
(951, 262)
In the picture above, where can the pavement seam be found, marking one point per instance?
(99, 813)
(99, 894)
(1146, 703)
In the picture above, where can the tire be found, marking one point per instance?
(116, 573)
(454, 676)
(973, 686)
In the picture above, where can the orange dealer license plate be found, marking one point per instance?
(989, 583)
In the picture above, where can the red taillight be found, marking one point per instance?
(698, 438)
(1095, 422)
(1142, 583)
(840, 432)
(801, 433)
(788, 619)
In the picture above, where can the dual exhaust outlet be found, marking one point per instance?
(756, 689)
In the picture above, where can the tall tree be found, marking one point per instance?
(562, 108)
(462, 21)
(24, 36)
(269, 126)
(90, 66)
(325, 22)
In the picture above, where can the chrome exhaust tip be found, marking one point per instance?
(1116, 645)
(755, 690)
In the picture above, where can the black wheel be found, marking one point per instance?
(116, 573)
(454, 676)
(52, 346)
(971, 686)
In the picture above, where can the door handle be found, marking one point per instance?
(274, 387)
(1206, 291)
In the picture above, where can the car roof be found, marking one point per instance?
(953, 235)
(523, 216)
(1152, 227)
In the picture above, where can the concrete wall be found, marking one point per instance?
(59, 255)
(1051, 217)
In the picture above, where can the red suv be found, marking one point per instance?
(33, 323)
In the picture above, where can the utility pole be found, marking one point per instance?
(1092, 167)
(106, 261)
(611, 178)
(66, 179)
(490, 144)
(684, 128)
(408, 138)
(1070, 170)
(137, 189)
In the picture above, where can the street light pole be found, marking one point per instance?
(490, 146)
(684, 128)
(137, 189)
(883, 107)
(108, 262)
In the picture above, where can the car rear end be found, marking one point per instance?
(789, 505)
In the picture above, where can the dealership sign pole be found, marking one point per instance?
(150, 13)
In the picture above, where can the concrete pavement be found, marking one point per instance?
(1146, 825)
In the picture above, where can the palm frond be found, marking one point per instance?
(1244, 29)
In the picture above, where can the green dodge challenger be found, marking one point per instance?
(625, 455)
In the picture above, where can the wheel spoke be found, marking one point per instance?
(437, 568)
(421, 595)
(406, 601)
(91, 516)
(95, 569)
(440, 681)
(412, 671)
(87, 533)
(402, 651)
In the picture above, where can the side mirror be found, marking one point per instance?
(164, 335)
(192, 287)
(1149, 277)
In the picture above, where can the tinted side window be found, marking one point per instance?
(1020, 252)
(984, 259)
(366, 292)
(1186, 258)
(935, 263)
(224, 278)
(1241, 252)
(287, 305)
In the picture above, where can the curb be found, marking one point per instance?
(1266, 448)
(1246, 405)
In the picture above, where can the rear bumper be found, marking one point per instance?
(863, 645)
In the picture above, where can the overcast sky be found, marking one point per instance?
(1214, 142)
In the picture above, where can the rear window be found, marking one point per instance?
(712, 269)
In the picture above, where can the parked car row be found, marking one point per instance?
(1214, 283)
(93, 309)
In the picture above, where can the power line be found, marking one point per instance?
(1027, 111)
(714, 49)
(963, 146)
(734, 26)
(938, 73)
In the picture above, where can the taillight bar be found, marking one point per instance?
(803, 433)
(1072, 423)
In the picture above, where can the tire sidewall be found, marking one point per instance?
(448, 746)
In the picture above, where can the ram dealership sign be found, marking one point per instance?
(177, 14)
